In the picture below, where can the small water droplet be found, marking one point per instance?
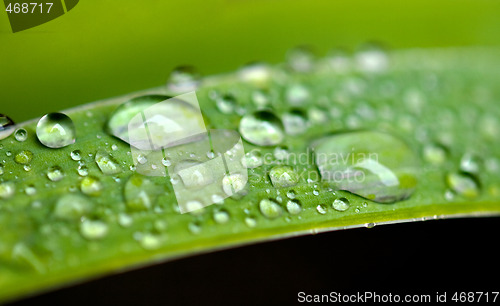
(370, 225)
(301, 58)
(114, 147)
(166, 162)
(194, 228)
(291, 194)
(6, 126)
(252, 159)
(281, 153)
(1, 169)
(233, 183)
(27, 168)
(150, 241)
(226, 104)
(8, 153)
(283, 176)
(262, 128)
(463, 184)
(55, 173)
(140, 193)
(297, 95)
(341, 204)
(21, 134)
(435, 154)
(293, 207)
(371, 58)
(184, 79)
(250, 222)
(91, 185)
(76, 155)
(72, 207)
(315, 192)
(23, 157)
(83, 170)
(470, 163)
(142, 159)
(321, 209)
(257, 74)
(7, 189)
(295, 122)
(125, 220)
(93, 229)
(107, 163)
(221, 216)
(270, 209)
(56, 130)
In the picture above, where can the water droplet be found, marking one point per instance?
(291, 194)
(195, 208)
(260, 98)
(270, 209)
(72, 207)
(280, 153)
(93, 229)
(435, 154)
(140, 193)
(83, 170)
(370, 225)
(6, 126)
(250, 222)
(374, 165)
(315, 192)
(91, 185)
(301, 59)
(252, 159)
(150, 241)
(21, 134)
(297, 95)
(233, 183)
(341, 204)
(293, 207)
(1, 169)
(470, 163)
(257, 74)
(55, 173)
(184, 79)
(463, 184)
(142, 159)
(125, 220)
(321, 209)
(194, 228)
(7, 189)
(226, 104)
(262, 128)
(221, 216)
(76, 155)
(23, 157)
(56, 130)
(295, 122)
(8, 153)
(371, 58)
(283, 176)
(166, 162)
(107, 163)
(30, 190)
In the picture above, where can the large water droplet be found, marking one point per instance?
(270, 209)
(24, 157)
(72, 207)
(374, 165)
(140, 193)
(55, 173)
(183, 79)
(93, 229)
(21, 134)
(6, 126)
(463, 184)
(341, 204)
(283, 176)
(262, 128)
(56, 130)
(107, 163)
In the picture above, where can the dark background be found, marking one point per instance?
(419, 257)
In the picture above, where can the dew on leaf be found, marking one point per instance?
(56, 130)
(183, 79)
(283, 176)
(262, 128)
(341, 204)
(91, 185)
(55, 173)
(24, 157)
(463, 184)
(293, 207)
(72, 207)
(21, 135)
(107, 164)
(270, 209)
(93, 229)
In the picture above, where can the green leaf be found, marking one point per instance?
(80, 211)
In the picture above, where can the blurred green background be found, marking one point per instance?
(105, 48)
